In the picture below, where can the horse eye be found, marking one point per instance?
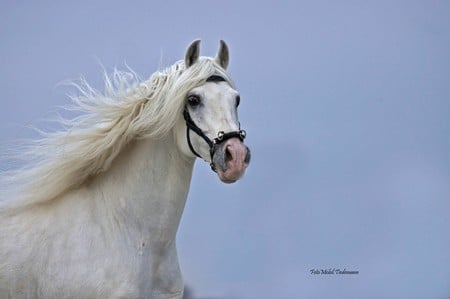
(193, 100)
(238, 100)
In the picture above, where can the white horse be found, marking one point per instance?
(96, 214)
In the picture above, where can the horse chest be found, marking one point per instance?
(125, 269)
(143, 273)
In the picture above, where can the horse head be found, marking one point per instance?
(211, 127)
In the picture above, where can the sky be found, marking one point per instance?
(347, 109)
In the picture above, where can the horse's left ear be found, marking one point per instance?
(192, 53)
(223, 55)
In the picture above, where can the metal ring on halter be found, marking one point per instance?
(220, 135)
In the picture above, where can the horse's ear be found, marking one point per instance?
(223, 55)
(192, 53)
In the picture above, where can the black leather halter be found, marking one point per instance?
(221, 136)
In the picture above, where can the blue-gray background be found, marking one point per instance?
(347, 109)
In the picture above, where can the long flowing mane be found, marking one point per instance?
(89, 143)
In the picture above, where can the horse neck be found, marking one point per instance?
(145, 190)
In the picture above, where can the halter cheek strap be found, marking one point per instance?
(221, 137)
(190, 125)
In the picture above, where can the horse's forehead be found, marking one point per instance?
(214, 89)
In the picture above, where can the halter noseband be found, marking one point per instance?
(221, 135)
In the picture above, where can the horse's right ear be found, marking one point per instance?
(192, 53)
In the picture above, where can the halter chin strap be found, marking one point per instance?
(221, 137)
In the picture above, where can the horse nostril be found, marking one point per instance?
(228, 155)
(247, 156)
